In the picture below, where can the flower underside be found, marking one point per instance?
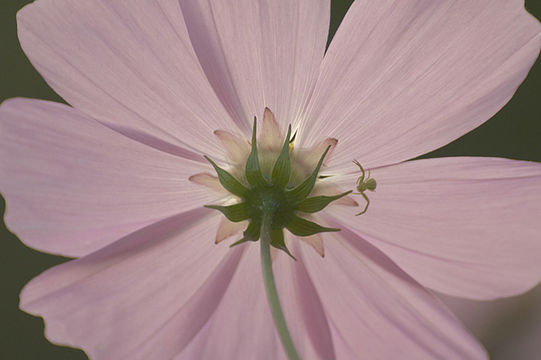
(273, 191)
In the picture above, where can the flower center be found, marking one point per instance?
(272, 199)
(269, 186)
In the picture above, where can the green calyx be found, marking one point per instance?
(272, 194)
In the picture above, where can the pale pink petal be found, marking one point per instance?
(274, 253)
(303, 310)
(210, 181)
(72, 185)
(260, 53)
(312, 155)
(270, 137)
(228, 228)
(376, 311)
(143, 297)
(236, 147)
(404, 77)
(196, 347)
(128, 64)
(242, 326)
(316, 242)
(467, 227)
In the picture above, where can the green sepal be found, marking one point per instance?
(302, 227)
(318, 203)
(228, 181)
(277, 240)
(235, 213)
(298, 194)
(282, 167)
(253, 230)
(252, 170)
(241, 241)
(251, 233)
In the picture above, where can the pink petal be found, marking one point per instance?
(242, 326)
(376, 311)
(310, 156)
(130, 65)
(145, 296)
(210, 181)
(302, 307)
(316, 242)
(73, 185)
(467, 227)
(236, 148)
(270, 137)
(262, 53)
(227, 229)
(402, 78)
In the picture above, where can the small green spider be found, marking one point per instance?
(363, 185)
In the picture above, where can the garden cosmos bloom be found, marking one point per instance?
(118, 179)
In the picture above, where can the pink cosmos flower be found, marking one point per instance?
(118, 179)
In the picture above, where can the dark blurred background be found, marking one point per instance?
(509, 328)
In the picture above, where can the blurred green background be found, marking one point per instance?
(509, 328)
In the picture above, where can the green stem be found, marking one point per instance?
(270, 288)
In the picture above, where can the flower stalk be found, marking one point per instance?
(270, 288)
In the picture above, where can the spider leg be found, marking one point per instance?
(366, 206)
(360, 180)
